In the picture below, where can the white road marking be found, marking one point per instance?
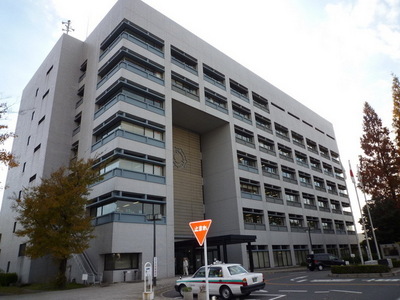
(382, 280)
(293, 291)
(332, 280)
(259, 291)
(337, 291)
(270, 295)
(277, 297)
(297, 278)
(349, 292)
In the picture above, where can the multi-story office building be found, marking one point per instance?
(183, 133)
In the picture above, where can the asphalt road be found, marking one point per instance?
(284, 284)
(320, 285)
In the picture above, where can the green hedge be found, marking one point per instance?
(8, 278)
(396, 263)
(360, 269)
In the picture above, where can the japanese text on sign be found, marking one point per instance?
(200, 229)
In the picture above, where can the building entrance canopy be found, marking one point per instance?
(218, 241)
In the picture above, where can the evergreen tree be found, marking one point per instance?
(53, 215)
(385, 215)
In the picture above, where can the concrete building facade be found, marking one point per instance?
(182, 133)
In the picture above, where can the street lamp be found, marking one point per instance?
(154, 217)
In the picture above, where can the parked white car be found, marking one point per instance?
(224, 280)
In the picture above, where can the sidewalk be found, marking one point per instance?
(120, 291)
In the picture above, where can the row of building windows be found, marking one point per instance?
(290, 175)
(131, 161)
(246, 137)
(131, 127)
(112, 261)
(250, 189)
(121, 261)
(130, 207)
(249, 162)
(281, 255)
(190, 89)
(154, 44)
(130, 92)
(254, 219)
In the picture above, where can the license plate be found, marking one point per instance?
(254, 279)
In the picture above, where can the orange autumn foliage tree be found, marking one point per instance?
(379, 174)
(53, 216)
(5, 156)
(396, 109)
(380, 163)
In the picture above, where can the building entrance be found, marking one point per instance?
(217, 250)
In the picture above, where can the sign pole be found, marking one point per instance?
(206, 267)
(200, 230)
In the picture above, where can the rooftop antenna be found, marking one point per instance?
(68, 27)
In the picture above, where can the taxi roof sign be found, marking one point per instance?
(200, 229)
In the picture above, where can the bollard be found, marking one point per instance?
(148, 295)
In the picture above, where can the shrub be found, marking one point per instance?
(360, 269)
(396, 263)
(352, 260)
(8, 278)
(186, 289)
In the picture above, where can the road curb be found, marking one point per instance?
(393, 272)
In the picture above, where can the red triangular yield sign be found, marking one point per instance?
(200, 229)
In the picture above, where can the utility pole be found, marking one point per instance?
(68, 27)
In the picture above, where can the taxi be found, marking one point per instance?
(224, 280)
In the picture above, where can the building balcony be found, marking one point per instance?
(254, 226)
(125, 218)
(251, 196)
(278, 228)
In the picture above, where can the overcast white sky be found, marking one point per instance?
(330, 55)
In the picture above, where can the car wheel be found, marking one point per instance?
(225, 292)
(181, 287)
(320, 267)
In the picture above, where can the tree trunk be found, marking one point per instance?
(61, 281)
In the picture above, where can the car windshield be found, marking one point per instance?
(235, 270)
